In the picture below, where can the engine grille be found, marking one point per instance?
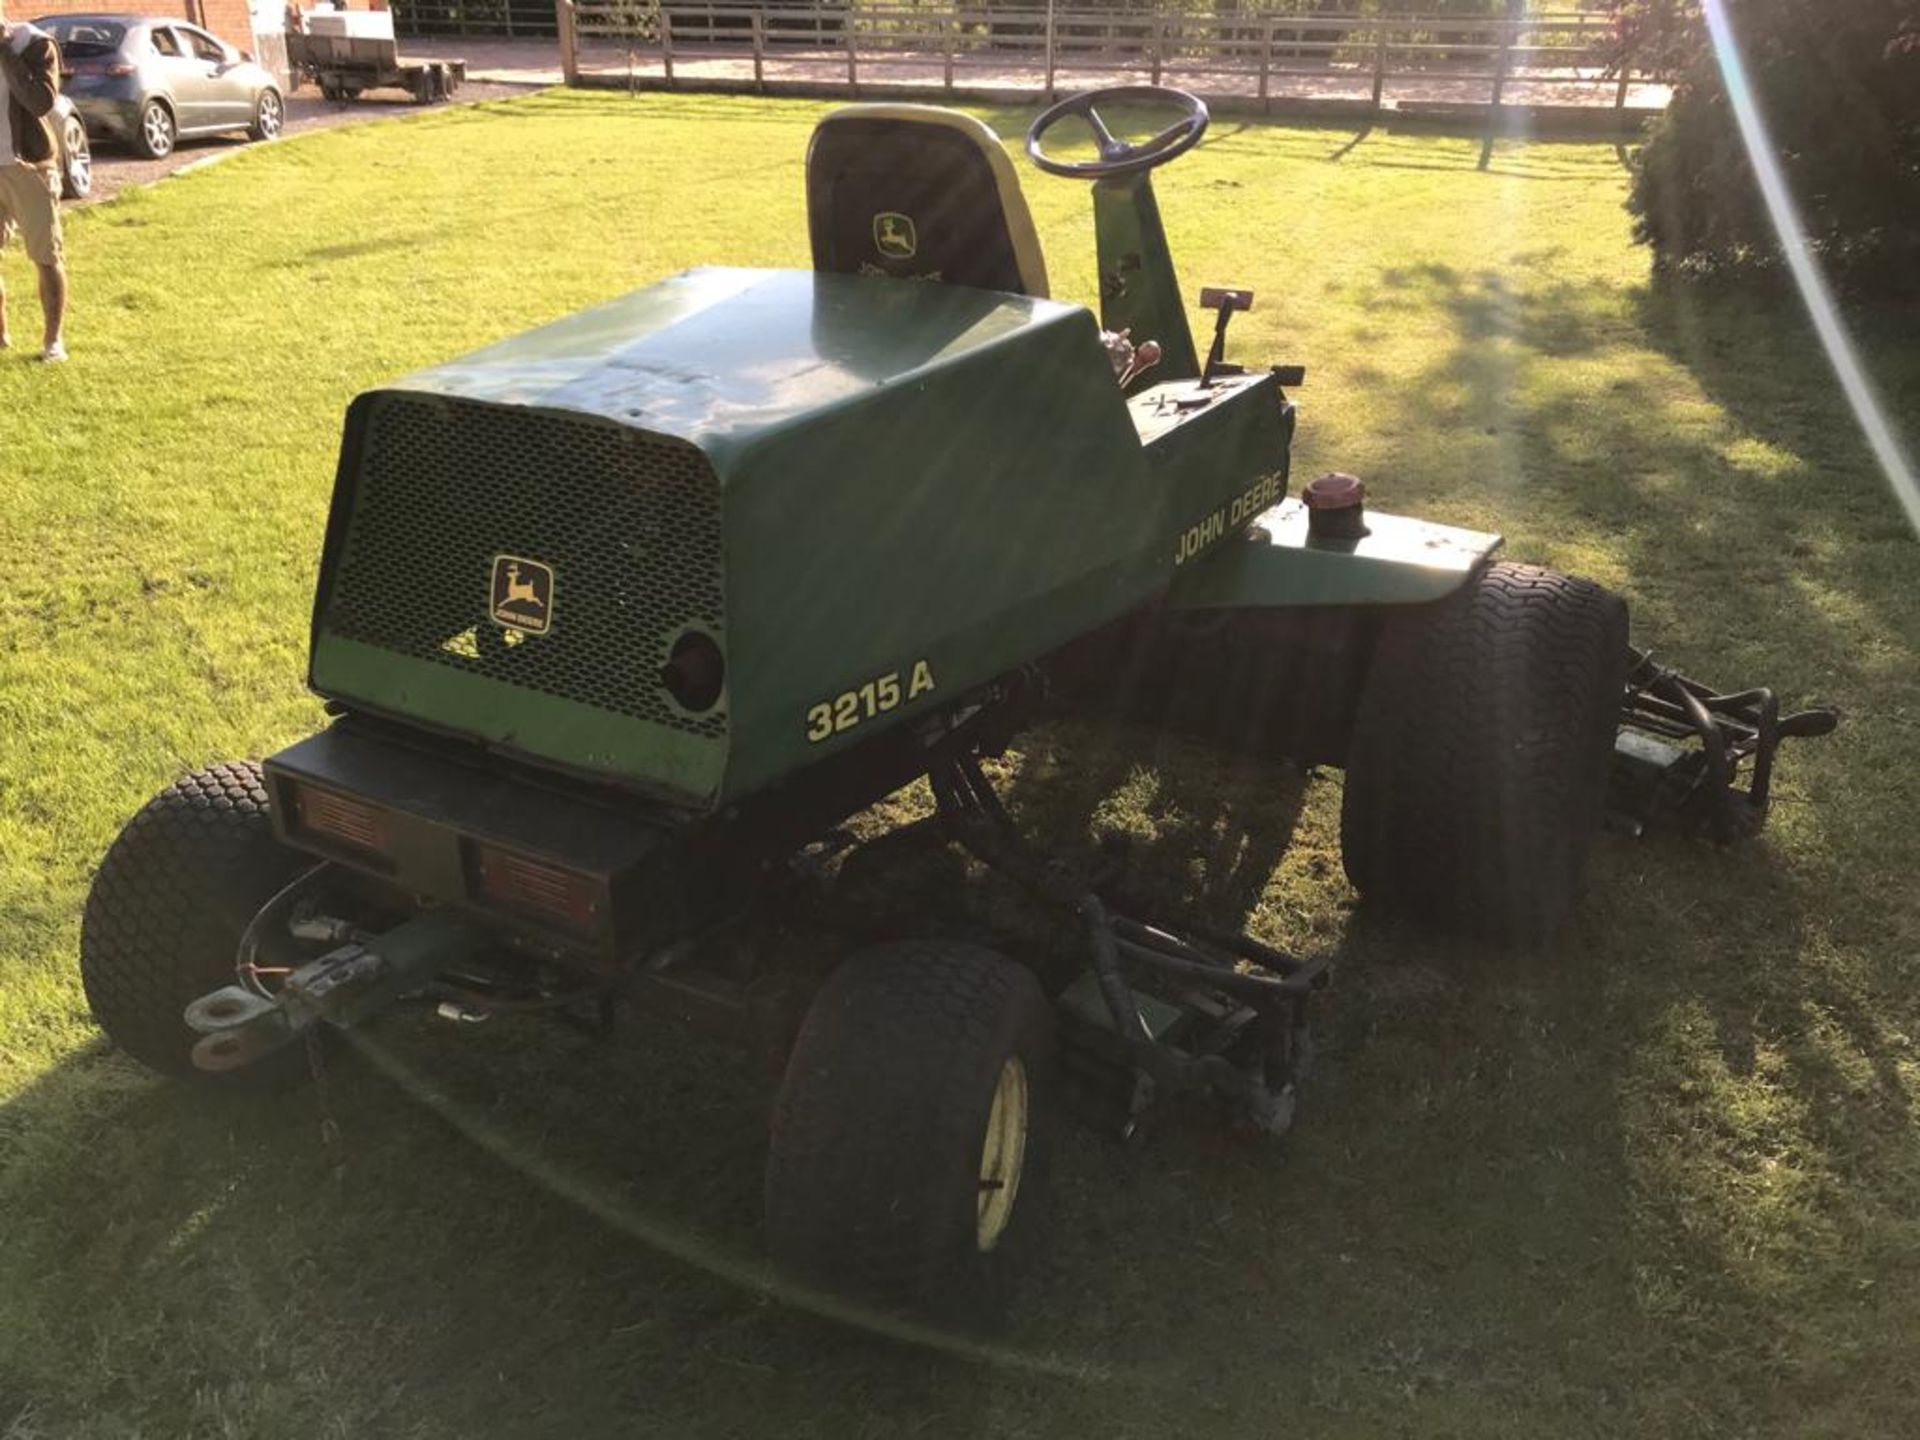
(628, 522)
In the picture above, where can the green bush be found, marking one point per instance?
(1838, 83)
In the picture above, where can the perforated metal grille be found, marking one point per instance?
(629, 523)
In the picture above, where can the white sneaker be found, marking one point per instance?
(53, 354)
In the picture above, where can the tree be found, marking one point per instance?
(1838, 83)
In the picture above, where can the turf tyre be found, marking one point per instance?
(873, 1190)
(1477, 774)
(168, 907)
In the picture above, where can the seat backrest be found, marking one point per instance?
(921, 192)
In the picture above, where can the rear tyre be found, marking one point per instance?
(1478, 770)
(155, 135)
(269, 117)
(913, 1134)
(76, 160)
(167, 910)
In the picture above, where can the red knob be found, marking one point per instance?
(1335, 491)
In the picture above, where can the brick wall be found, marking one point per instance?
(229, 19)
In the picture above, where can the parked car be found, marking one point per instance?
(150, 81)
(76, 156)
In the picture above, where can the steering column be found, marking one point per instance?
(1139, 291)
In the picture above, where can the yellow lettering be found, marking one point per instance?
(874, 697)
(1244, 506)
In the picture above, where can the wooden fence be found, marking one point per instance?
(1264, 51)
(505, 19)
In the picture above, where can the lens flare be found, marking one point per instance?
(1814, 290)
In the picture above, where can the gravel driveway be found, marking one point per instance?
(116, 166)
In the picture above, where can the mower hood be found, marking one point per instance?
(722, 357)
(658, 539)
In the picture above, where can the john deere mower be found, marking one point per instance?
(618, 621)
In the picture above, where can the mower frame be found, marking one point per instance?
(485, 846)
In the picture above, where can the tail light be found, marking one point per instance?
(115, 68)
(328, 815)
(518, 882)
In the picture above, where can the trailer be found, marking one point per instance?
(348, 51)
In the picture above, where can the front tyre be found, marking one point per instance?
(911, 1141)
(269, 116)
(1478, 770)
(167, 910)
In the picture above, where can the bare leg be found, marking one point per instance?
(5, 339)
(53, 300)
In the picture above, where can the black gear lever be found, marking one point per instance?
(1224, 302)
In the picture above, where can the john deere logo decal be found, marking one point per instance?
(522, 594)
(893, 235)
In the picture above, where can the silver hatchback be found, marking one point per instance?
(150, 81)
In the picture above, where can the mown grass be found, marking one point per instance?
(1663, 1180)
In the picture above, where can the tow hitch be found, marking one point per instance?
(343, 987)
(1658, 780)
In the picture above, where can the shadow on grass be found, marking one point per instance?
(1530, 157)
(1655, 1181)
(1360, 137)
(1765, 1103)
(354, 249)
(1469, 1200)
(225, 1271)
(1721, 467)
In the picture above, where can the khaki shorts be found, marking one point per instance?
(30, 203)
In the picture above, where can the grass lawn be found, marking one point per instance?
(1664, 1180)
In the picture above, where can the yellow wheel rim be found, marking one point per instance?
(1004, 1152)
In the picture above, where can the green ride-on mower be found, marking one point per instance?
(620, 620)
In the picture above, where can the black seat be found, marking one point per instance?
(919, 192)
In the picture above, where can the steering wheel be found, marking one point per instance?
(1121, 157)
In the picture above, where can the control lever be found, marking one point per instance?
(1146, 355)
(1225, 302)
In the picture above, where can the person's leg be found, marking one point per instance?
(6, 233)
(53, 304)
(37, 196)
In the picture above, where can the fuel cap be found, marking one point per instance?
(1336, 507)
